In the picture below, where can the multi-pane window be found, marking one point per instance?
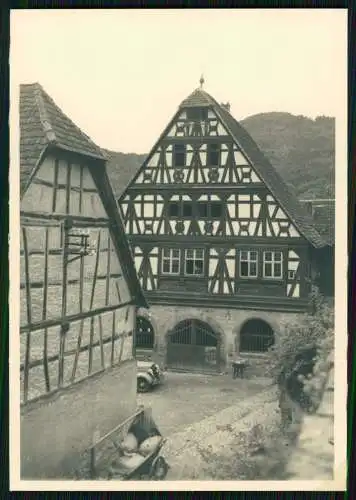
(202, 209)
(248, 264)
(210, 210)
(187, 209)
(194, 262)
(215, 209)
(273, 265)
(179, 154)
(173, 209)
(213, 155)
(171, 261)
(180, 209)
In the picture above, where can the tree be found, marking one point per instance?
(300, 359)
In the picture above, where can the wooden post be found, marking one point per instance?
(44, 313)
(55, 187)
(91, 338)
(113, 337)
(81, 189)
(75, 364)
(29, 313)
(101, 341)
(69, 171)
(64, 327)
(107, 292)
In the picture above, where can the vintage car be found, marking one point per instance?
(149, 374)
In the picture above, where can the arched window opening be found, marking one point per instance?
(256, 336)
(144, 334)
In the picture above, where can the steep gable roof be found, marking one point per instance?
(121, 169)
(323, 213)
(43, 123)
(279, 189)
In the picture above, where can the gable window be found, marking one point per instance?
(187, 209)
(209, 210)
(215, 210)
(194, 262)
(197, 114)
(248, 264)
(171, 261)
(213, 155)
(173, 209)
(179, 152)
(273, 265)
(180, 209)
(202, 209)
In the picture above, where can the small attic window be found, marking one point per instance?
(197, 114)
(179, 152)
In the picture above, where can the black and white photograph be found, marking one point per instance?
(178, 202)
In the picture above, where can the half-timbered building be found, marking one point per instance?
(222, 248)
(79, 288)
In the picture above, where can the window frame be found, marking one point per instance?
(170, 259)
(175, 153)
(201, 114)
(194, 259)
(273, 262)
(209, 204)
(249, 261)
(210, 151)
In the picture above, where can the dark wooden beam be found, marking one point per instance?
(42, 182)
(41, 284)
(44, 313)
(79, 220)
(92, 301)
(73, 317)
(262, 303)
(29, 314)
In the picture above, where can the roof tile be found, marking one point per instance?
(42, 122)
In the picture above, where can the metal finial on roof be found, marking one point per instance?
(202, 81)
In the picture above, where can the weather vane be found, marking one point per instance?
(202, 81)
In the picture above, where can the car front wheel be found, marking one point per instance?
(142, 385)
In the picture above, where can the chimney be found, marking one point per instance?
(226, 105)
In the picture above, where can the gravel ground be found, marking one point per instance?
(186, 398)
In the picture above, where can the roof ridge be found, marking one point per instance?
(46, 124)
(301, 213)
(50, 99)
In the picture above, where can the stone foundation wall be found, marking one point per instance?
(227, 323)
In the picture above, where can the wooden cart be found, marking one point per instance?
(106, 450)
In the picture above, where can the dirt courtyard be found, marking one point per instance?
(186, 398)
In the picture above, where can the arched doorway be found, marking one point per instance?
(193, 345)
(145, 337)
(256, 335)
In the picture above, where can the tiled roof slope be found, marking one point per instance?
(121, 169)
(42, 123)
(298, 214)
(323, 212)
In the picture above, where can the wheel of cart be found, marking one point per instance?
(159, 468)
(106, 452)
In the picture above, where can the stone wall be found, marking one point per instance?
(56, 430)
(227, 323)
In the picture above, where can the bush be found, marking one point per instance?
(302, 348)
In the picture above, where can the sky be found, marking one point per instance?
(121, 74)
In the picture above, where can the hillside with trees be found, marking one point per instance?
(301, 149)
